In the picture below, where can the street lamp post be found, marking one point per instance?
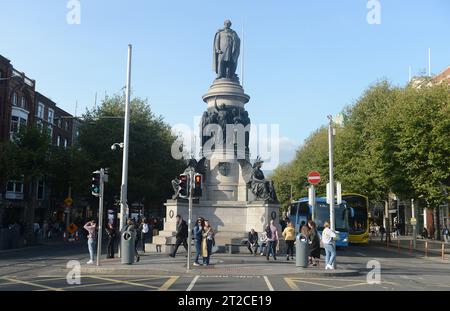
(331, 171)
(126, 136)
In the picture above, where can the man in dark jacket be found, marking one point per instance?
(182, 235)
(111, 235)
(253, 242)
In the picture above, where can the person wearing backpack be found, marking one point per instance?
(445, 234)
(181, 235)
(272, 240)
(144, 228)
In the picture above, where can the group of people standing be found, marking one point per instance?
(203, 235)
(140, 231)
(268, 242)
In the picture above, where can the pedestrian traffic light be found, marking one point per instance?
(95, 184)
(198, 185)
(184, 186)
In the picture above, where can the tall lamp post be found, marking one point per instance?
(126, 136)
(331, 171)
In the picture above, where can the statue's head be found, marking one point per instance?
(227, 23)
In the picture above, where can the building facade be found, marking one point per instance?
(21, 105)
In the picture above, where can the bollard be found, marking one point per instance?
(410, 246)
(426, 248)
(127, 247)
(301, 251)
(443, 251)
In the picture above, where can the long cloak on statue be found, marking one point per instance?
(229, 45)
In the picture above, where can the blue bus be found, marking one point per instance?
(300, 211)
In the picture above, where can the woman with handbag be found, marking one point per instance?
(207, 242)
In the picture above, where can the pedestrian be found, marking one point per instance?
(382, 232)
(198, 228)
(445, 234)
(252, 242)
(328, 240)
(263, 242)
(91, 227)
(272, 240)
(314, 243)
(137, 238)
(289, 237)
(111, 236)
(207, 242)
(304, 229)
(144, 228)
(132, 228)
(425, 233)
(181, 235)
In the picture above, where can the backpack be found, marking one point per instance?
(145, 228)
(269, 233)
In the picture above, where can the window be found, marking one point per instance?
(59, 122)
(66, 125)
(40, 190)
(40, 111)
(50, 131)
(15, 186)
(14, 99)
(65, 142)
(23, 102)
(14, 124)
(17, 123)
(58, 141)
(50, 116)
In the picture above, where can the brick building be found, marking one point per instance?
(21, 105)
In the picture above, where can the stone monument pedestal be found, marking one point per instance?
(232, 221)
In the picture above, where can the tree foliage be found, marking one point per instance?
(151, 166)
(393, 140)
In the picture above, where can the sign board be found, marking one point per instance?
(314, 177)
(413, 221)
(72, 228)
(68, 201)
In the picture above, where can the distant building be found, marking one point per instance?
(21, 105)
(425, 81)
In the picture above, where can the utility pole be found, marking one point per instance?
(126, 136)
(191, 190)
(331, 171)
(100, 214)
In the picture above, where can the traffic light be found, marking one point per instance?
(198, 185)
(95, 184)
(184, 186)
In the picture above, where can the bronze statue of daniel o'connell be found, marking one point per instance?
(226, 52)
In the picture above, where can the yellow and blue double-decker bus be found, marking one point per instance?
(300, 212)
(359, 220)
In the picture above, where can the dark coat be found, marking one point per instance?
(314, 243)
(182, 230)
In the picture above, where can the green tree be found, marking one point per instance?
(8, 170)
(33, 152)
(423, 138)
(151, 166)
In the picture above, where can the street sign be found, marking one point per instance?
(314, 177)
(72, 228)
(68, 201)
(413, 221)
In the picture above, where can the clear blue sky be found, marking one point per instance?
(303, 59)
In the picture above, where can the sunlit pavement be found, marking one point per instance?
(44, 269)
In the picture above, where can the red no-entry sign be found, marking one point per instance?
(314, 177)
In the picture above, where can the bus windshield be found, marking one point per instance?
(322, 214)
(358, 223)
